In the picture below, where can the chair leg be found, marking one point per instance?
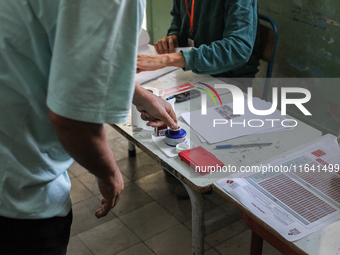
(132, 150)
(256, 244)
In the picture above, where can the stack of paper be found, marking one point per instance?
(219, 124)
(296, 194)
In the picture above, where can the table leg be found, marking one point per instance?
(196, 199)
(132, 150)
(256, 244)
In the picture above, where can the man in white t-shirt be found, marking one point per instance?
(66, 67)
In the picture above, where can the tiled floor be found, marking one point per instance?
(148, 219)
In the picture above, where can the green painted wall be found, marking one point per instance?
(158, 18)
(308, 47)
(309, 37)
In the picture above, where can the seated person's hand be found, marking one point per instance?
(167, 44)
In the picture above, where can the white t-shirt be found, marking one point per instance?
(77, 58)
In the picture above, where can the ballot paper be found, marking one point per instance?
(212, 131)
(145, 48)
(296, 194)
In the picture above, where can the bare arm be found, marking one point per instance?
(86, 143)
(154, 62)
(154, 109)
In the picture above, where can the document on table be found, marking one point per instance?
(145, 48)
(234, 125)
(299, 195)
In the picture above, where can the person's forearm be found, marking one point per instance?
(154, 109)
(139, 95)
(215, 59)
(155, 62)
(175, 59)
(86, 143)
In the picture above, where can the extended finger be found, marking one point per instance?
(160, 47)
(173, 116)
(157, 48)
(176, 45)
(166, 118)
(171, 45)
(165, 45)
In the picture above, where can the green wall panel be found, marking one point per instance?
(158, 18)
(309, 37)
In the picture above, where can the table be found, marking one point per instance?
(324, 241)
(193, 182)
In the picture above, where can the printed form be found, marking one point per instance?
(204, 127)
(297, 194)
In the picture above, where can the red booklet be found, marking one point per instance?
(201, 160)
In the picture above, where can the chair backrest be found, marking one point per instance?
(268, 37)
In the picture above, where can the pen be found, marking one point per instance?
(170, 97)
(228, 146)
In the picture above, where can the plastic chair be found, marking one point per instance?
(268, 44)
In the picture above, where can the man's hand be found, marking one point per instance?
(87, 144)
(167, 44)
(110, 190)
(154, 62)
(154, 109)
